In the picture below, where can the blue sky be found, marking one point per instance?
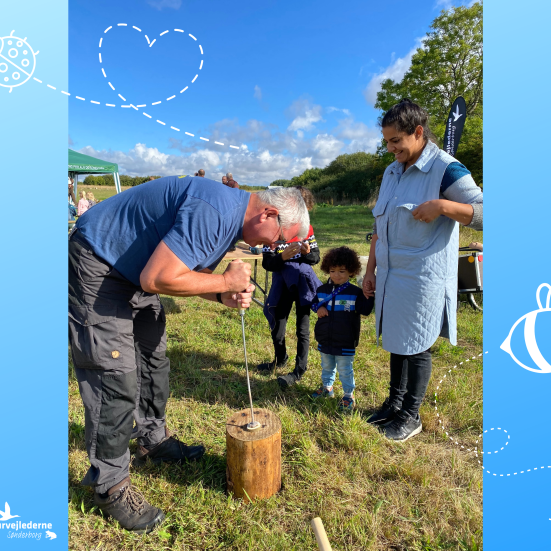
(289, 84)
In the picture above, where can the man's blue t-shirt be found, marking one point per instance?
(198, 219)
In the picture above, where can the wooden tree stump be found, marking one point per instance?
(253, 457)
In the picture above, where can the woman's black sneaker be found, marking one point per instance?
(129, 508)
(285, 381)
(269, 367)
(384, 414)
(403, 427)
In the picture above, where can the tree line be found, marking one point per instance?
(447, 65)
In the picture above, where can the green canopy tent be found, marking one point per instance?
(84, 164)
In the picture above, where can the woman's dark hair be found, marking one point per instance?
(342, 256)
(307, 196)
(406, 116)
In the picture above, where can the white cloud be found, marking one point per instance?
(160, 4)
(305, 115)
(257, 93)
(266, 154)
(395, 71)
(333, 109)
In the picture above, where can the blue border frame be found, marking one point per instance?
(33, 395)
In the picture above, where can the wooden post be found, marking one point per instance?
(253, 457)
(321, 536)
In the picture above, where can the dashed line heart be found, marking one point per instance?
(150, 44)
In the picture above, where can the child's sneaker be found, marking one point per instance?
(323, 392)
(346, 403)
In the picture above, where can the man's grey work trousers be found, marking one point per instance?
(118, 345)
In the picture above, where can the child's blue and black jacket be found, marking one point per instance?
(339, 332)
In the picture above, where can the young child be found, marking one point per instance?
(293, 282)
(339, 305)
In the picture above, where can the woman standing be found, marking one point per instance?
(424, 194)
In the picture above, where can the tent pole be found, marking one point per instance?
(117, 181)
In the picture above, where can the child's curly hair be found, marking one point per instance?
(342, 256)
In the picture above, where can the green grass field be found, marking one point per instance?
(371, 494)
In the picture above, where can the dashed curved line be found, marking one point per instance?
(154, 40)
(148, 116)
(174, 128)
(110, 105)
(219, 143)
(134, 107)
(108, 29)
(161, 122)
(234, 146)
(78, 97)
(192, 135)
(123, 99)
(111, 85)
(96, 102)
(66, 93)
(206, 139)
(37, 80)
(143, 105)
(50, 86)
(151, 44)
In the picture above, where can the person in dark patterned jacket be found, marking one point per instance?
(293, 282)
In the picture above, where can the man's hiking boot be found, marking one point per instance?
(385, 414)
(403, 427)
(129, 508)
(169, 450)
(270, 367)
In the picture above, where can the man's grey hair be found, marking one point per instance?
(229, 176)
(291, 207)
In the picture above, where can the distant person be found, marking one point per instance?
(231, 182)
(201, 173)
(91, 200)
(72, 198)
(225, 180)
(83, 204)
(152, 178)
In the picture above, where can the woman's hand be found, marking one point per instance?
(428, 211)
(368, 285)
(322, 312)
(292, 250)
(304, 247)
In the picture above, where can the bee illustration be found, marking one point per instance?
(17, 61)
(529, 319)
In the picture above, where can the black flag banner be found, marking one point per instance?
(454, 126)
